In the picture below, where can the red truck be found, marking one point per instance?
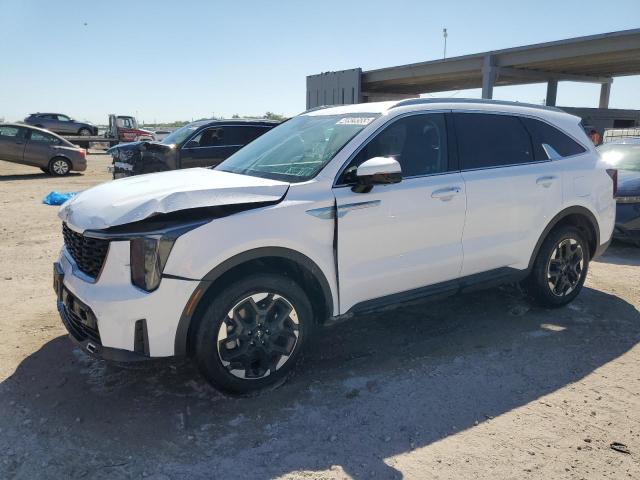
(122, 129)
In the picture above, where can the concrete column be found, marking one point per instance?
(552, 92)
(605, 92)
(489, 73)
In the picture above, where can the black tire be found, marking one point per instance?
(84, 132)
(56, 167)
(555, 281)
(248, 342)
(45, 170)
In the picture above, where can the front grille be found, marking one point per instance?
(88, 253)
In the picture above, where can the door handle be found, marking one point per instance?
(545, 181)
(446, 194)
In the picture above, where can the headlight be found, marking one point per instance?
(635, 199)
(149, 255)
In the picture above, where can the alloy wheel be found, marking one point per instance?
(258, 335)
(60, 167)
(565, 267)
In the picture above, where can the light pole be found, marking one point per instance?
(445, 35)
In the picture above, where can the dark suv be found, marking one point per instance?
(199, 144)
(61, 124)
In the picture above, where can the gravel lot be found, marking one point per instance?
(479, 386)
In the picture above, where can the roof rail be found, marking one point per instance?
(320, 107)
(423, 101)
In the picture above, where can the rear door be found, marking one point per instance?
(12, 142)
(512, 192)
(401, 237)
(40, 148)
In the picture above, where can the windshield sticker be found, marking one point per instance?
(355, 121)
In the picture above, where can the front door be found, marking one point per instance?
(12, 141)
(64, 125)
(401, 237)
(210, 147)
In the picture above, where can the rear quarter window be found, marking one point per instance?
(543, 133)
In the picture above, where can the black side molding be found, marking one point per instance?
(478, 281)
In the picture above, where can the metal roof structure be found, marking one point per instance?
(594, 59)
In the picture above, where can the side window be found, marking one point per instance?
(8, 132)
(63, 118)
(250, 133)
(491, 140)
(210, 137)
(39, 137)
(124, 122)
(543, 133)
(234, 136)
(417, 142)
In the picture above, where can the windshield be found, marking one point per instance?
(180, 135)
(298, 149)
(621, 156)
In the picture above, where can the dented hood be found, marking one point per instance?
(135, 198)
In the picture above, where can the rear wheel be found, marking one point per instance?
(560, 268)
(59, 166)
(252, 334)
(85, 132)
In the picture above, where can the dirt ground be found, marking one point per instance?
(478, 386)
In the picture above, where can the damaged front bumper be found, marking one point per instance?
(82, 326)
(111, 318)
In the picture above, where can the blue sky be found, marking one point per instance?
(170, 60)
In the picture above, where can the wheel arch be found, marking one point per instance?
(278, 260)
(577, 216)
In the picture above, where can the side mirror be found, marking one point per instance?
(191, 144)
(377, 171)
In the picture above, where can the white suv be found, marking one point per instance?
(338, 211)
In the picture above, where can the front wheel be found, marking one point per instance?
(560, 269)
(85, 132)
(252, 334)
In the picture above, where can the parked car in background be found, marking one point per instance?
(61, 124)
(334, 213)
(616, 134)
(624, 156)
(40, 148)
(200, 144)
